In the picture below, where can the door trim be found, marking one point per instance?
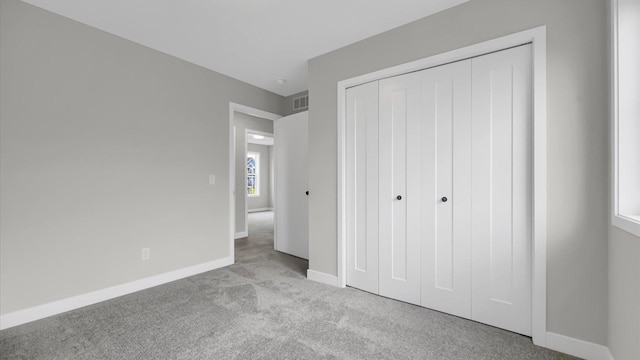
(233, 108)
(537, 38)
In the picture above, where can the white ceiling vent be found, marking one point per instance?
(301, 102)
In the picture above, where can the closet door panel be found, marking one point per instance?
(362, 186)
(446, 188)
(502, 189)
(399, 201)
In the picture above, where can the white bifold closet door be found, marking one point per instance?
(439, 188)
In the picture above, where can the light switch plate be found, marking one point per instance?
(146, 253)
(212, 179)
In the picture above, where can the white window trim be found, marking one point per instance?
(256, 156)
(626, 221)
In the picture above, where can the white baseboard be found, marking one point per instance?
(57, 307)
(259, 210)
(321, 277)
(579, 348)
(241, 234)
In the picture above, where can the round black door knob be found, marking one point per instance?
(444, 199)
(399, 197)
(307, 192)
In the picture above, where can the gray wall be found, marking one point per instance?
(624, 294)
(263, 200)
(577, 137)
(288, 104)
(243, 122)
(105, 148)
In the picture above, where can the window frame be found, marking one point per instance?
(623, 117)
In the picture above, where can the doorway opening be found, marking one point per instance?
(269, 179)
(245, 121)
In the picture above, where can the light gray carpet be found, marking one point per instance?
(260, 308)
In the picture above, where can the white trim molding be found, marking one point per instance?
(241, 234)
(625, 168)
(537, 38)
(321, 277)
(260, 210)
(253, 111)
(57, 307)
(579, 348)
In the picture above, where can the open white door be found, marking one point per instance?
(292, 179)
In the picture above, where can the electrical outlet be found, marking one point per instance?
(212, 179)
(146, 253)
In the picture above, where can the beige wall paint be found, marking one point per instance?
(577, 137)
(263, 200)
(105, 148)
(243, 122)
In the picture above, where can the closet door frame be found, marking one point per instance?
(537, 38)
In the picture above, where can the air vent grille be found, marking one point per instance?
(301, 102)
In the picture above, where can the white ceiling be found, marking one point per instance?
(255, 41)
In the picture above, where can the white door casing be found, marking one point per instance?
(446, 165)
(502, 189)
(399, 202)
(292, 179)
(362, 187)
